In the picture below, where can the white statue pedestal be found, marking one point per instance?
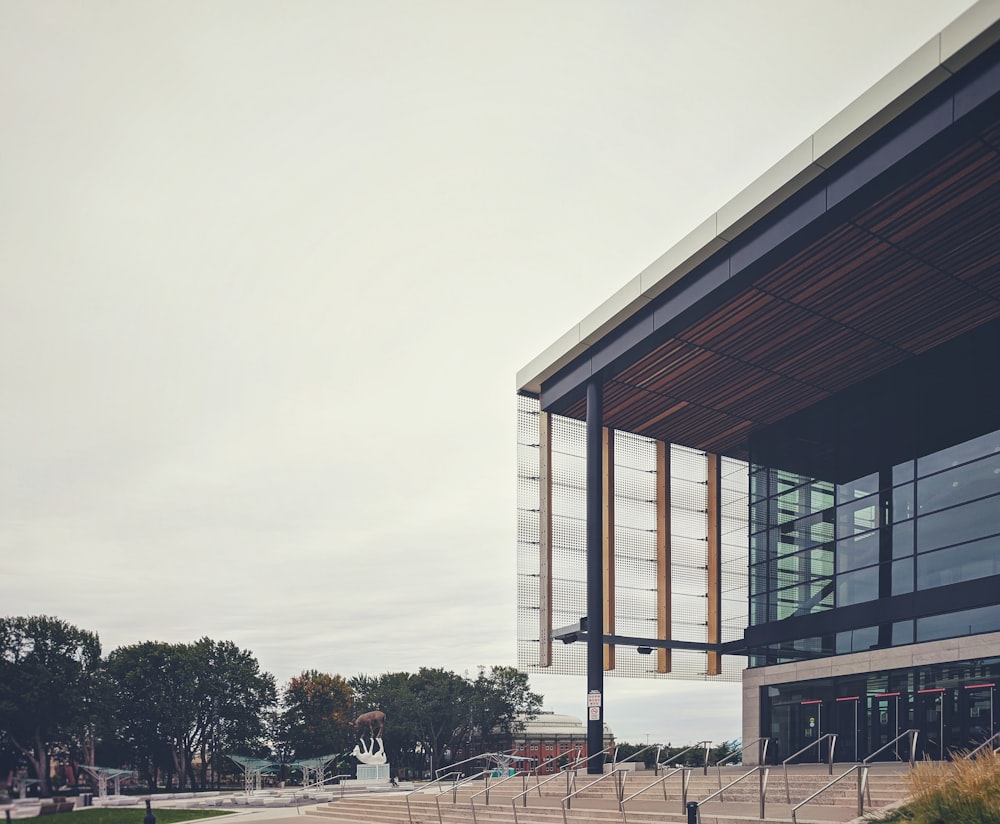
(373, 773)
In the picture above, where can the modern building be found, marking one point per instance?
(775, 454)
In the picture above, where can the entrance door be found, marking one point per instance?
(931, 723)
(977, 714)
(884, 725)
(810, 729)
(847, 725)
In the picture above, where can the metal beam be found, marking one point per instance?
(545, 539)
(595, 578)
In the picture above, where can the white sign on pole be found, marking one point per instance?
(595, 713)
(594, 698)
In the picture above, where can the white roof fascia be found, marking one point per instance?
(955, 46)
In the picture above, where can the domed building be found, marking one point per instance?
(550, 735)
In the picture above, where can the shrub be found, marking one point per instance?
(954, 792)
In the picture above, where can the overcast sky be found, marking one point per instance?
(268, 270)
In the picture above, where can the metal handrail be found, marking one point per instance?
(706, 744)
(423, 789)
(913, 746)
(816, 743)
(616, 762)
(523, 797)
(761, 744)
(764, 773)
(987, 743)
(522, 774)
(548, 761)
(576, 764)
(616, 773)
(685, 781)
(569, 772)
(454, 791)
(478, 757)
(862, 770)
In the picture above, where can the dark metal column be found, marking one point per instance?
(595, 580)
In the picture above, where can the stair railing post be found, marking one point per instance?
(764, 772)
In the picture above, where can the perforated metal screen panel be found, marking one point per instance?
(635, 552)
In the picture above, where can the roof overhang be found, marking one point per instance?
(874, 241)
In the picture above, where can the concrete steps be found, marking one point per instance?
(599, 804)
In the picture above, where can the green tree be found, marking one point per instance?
(235, 698)
(317, 713)
(154, 705)
(176, 701)
(500, 703)
(442, 703)
(391, 693)
(47, 683)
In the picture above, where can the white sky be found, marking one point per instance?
(268, 270)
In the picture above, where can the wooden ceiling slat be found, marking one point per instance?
(902, 276)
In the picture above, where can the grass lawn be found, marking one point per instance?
(102, 815)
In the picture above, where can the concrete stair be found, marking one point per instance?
(599, 803)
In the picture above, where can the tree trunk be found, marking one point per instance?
(38, 761)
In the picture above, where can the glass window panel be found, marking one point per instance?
(902, 633)
(903, 472)
(902, 503)
(964, 483)
(758, 579)
(902, 576)
(902, 539)
(805, 533)
(959, 454)
(959, 524)
(858, 551)
(857, 587)
(805, 566)
(802, 501)
(857, 516)
(858, 488)
(857, 640)
(957, 624)
(966, 562)
(805, 599)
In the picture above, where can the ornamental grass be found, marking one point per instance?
(962, 791)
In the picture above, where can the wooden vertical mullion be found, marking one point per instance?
(714, 663)
(664, 629)
(545, 540)
(608, 502)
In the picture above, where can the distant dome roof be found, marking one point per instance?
(550, 723)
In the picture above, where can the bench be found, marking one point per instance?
(50, 807)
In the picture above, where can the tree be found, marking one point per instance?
(441, 704)
(500, 704)
(391, 693)
(235, 699)
(47, 681)
(318, 710)
(175, 701)
(154, 704)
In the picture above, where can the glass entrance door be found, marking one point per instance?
(847, 725)
(977, 714)
(884, 724)
(931, 723)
